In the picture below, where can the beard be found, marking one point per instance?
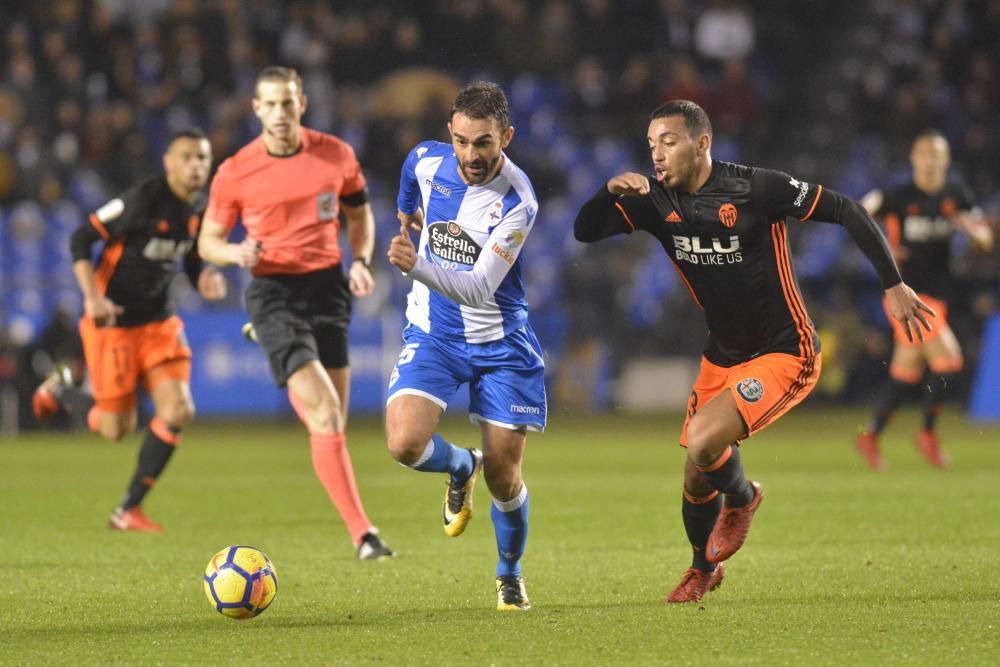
(487, 170)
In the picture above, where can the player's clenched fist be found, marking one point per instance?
(629, 183)
(401, 253)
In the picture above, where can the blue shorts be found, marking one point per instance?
(506, 377)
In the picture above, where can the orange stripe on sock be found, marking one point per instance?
(163, 432)
(719, 462)
(946, 365)
(149, 481)
(906, 375)
(700, 500)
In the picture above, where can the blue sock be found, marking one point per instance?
(510, 523)
(442, 456)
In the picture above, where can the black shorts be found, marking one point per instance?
(299, 318)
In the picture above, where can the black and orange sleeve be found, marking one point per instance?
(605, 215)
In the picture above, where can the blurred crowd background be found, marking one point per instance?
(829, 92)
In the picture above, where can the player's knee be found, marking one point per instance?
(179, 414)
(406, 447)
(503, 480)
(703, 442)
(115, 431)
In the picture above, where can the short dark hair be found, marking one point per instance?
(277, 73)
(695, 118)
(187, 133)
(483, 99)
(930, 133)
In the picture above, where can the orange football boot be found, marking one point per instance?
(695, 584)
(731, 528)
(133, 519)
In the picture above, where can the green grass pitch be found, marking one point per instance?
(843, 566)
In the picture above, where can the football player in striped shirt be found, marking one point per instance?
(468, 322)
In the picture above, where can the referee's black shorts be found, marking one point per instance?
(299, 318)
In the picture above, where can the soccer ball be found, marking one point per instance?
(240, 582)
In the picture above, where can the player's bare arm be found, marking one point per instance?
(213, 247)
(361, 235)
(96, 306)
(402, 253)
(630, 184)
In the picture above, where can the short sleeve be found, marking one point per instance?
(224, 204)
(776, 195)
(118, 216)
(354, 179)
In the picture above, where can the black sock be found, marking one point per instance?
(728, 478)
(935, 390)
(699, 520)
(157, 448)
(77, 401)
(890, 398)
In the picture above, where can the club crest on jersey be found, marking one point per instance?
(497, 211)
(451, 247)
(326, 207)
(727, 214)
(750, 389)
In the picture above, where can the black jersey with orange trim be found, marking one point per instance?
(920, 223)
(729, 243)
(146, 230)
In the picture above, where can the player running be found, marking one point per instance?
(723, 226)
(288, 187)
(468, 322)
(130, 332)
(921, 217)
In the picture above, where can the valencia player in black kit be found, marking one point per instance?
(723, 227)
(130, 333)
(921, 218)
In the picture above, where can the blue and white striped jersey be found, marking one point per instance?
(467, 279)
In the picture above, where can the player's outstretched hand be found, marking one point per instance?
(413, 221)
(102, 310)
(360, 279)
(401, 253)
(909, 310)
(211, 284)
(248, 253)
(629, 183)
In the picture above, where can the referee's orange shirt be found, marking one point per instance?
(290, 204)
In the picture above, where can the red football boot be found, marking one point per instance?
(45, 400)
(695, 584)
(731, 528)
(930, 447)
(867, 445)
(133, 519)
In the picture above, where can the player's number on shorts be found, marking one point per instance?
(406, 356)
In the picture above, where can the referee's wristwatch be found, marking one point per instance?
(365, 261)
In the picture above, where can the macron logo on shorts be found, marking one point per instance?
(525, 409)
